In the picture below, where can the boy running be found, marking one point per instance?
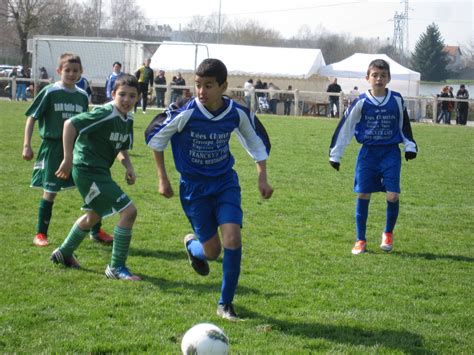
(380, 122)
(209, 187)
(51, 107)
(92, 141)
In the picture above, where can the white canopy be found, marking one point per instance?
(240, 60)
(352, 71)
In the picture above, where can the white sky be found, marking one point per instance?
(363, 18)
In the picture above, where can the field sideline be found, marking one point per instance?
(301, 291)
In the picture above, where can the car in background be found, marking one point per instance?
(6, 69)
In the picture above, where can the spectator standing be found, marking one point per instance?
(334, 99)
(160, 91)
(288, 98)
(145, 76)
(451, 104)
(248, 86)
(274, 97)
(176, 94)
(110, 81)
(43, 76)
(353, 94)
(21, 86)
(463, 107)
(444, 114)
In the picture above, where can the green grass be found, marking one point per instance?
(301, 291)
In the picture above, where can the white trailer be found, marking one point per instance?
(97, 55)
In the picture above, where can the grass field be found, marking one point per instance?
(301, 291)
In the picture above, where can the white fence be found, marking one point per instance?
(304, 103)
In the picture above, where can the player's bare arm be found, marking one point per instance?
(164, 186)
(69, 136)
(263, 186)
(124, 158)
(27, 153)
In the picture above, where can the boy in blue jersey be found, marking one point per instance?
(209, 187)
(380, 122)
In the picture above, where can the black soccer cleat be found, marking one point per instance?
(68, 261)
(200, 266)
(226, 311)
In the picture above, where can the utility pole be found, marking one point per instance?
(219, 24)
(400, 30)
(99, 15)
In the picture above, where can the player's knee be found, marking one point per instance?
(363, 196)
(212, 248)
(129, 215)
(392, 196)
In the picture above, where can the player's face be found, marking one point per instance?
(117, 68)
(209, 92)
(70, 73)
(378, 80)
(125, 98)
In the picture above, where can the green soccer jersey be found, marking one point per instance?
(55, 104)
(102, 133)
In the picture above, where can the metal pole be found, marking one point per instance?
(219, 24)
(99, 10)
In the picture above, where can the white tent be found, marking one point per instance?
(298, 63)
(352, 71)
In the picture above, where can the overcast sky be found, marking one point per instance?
(364, 18)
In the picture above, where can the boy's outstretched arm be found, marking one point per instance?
(264, 187)
(164, 186)
(27, 151)
(130, 175)
(69, 136)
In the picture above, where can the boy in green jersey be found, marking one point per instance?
(92, 141)
(51, 107)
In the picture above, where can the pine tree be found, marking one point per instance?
(429, 59)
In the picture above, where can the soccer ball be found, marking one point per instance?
(205, 339)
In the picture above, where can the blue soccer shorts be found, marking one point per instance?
(210, 202)
(378, 169)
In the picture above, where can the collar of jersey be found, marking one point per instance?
(375, 101)
(209, 115)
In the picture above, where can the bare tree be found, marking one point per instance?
(127, 17)
(24, 17)
(251, 33)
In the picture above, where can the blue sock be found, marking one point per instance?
(392, 215)
(361, 214)
(195, 248)
(231, 272)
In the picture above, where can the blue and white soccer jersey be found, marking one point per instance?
(209, 187)
(380, 126)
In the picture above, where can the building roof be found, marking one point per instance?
(452, 50)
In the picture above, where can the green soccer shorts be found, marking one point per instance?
(50, 156)
(100, 193)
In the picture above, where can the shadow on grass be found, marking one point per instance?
(177, 286)
(404, 341)
(159, 254)
(431, 256)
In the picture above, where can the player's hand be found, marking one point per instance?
(165, 189)
(130, 176)
(64, 170)
(335, 164)
(266, 191)
(410, 156)
(27, 153)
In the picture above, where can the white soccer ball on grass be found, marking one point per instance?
(205, 339)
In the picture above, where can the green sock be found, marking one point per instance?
(122, 238)
(95, 229)
(73, 240)
(45, 211)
